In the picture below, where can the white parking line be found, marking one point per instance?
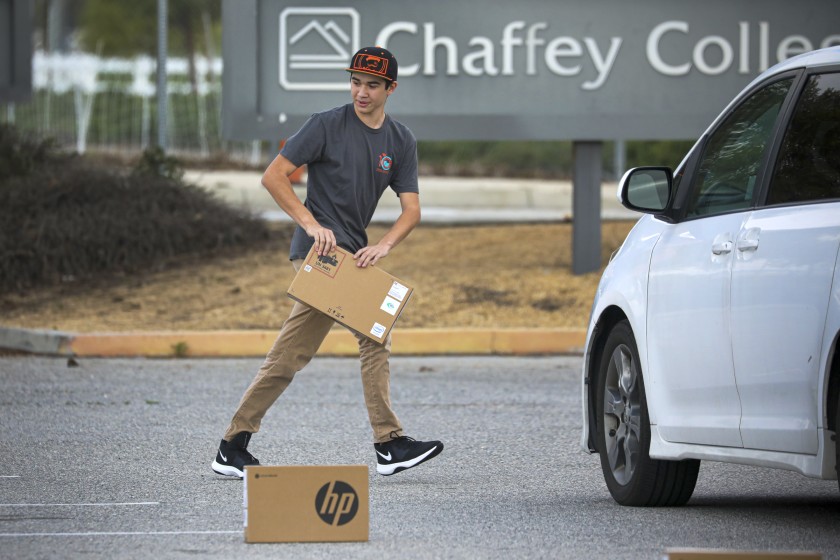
(85, 505)
(105, 533)
(120, 533)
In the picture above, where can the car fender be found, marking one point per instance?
(828, 388)
(622, 290)
(831, 335)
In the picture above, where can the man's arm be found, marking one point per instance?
(277, 183)
(406, 222)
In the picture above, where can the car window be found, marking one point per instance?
(726, 175)
(808, 166)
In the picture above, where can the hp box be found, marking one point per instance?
(300, 504)
(366, 300)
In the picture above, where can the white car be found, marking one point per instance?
(714, 330)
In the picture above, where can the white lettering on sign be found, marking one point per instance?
(713, 54)
(562, 56)
(314, 39)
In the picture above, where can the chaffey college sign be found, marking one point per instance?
(603, 69)
(585, 71)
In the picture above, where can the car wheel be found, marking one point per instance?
(623, 432)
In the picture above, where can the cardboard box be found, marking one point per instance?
(365, 300)
(306, 504)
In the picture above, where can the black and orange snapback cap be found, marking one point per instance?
(375, 61)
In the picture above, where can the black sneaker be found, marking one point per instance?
(232, 457)
(403, 453)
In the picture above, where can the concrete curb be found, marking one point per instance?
(36, 341)
(339, 342)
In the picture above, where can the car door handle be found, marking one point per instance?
(748, 240)
(722, 247)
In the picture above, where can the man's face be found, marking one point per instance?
(369, 93)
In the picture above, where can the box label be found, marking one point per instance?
(398, 291)
(245, 502)
(378, 330)
(390, 305)
(328, 264)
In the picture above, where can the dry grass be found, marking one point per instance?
(470, 276)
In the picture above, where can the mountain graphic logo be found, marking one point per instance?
(333, 36)
(314, 44)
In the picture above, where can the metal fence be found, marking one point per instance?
(89, 103)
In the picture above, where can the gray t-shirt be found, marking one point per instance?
(349, 167)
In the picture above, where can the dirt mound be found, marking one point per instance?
(476, 276)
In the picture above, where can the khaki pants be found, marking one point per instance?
(299, 340)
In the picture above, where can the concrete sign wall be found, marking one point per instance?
(535, 69)
(15, 50)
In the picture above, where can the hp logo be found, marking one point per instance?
(336, 503)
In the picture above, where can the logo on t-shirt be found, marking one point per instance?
(385, 163)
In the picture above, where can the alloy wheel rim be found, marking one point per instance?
(622, 414)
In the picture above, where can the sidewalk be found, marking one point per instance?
(444, 199)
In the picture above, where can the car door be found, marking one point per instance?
(692, 389)
(785, 258)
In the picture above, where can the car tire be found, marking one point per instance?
(623, 432)
(836, 439)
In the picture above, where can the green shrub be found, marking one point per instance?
(154, 161)
(65, 219)
(20, 155)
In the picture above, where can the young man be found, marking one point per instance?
(353, 153)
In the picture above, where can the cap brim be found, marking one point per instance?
(351, 70)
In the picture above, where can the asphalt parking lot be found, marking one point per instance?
(111, 459)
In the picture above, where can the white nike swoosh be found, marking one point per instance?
(222, 456)
(386, 457)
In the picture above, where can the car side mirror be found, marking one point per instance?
(646, 189)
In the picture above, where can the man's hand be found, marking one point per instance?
(371, 254)
(324, 239)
